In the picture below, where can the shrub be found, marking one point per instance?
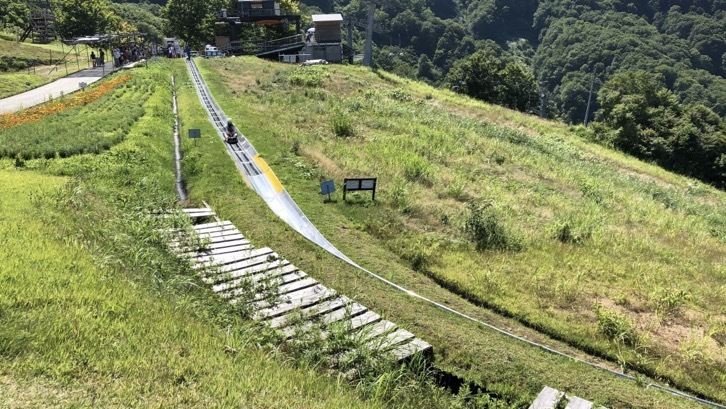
(615, 326)
(668, 301)
(485, 228)
(399, 95)
(417, 169)
(421, 252)
(313, 76)
(572, 230)
(341, 125)
(399, 196)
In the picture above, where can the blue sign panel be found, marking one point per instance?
(195, 133)
(327, 187)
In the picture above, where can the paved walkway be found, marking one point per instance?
(55, 89)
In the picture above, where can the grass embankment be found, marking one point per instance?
(95, 312)
(608, 254)
(24, 66)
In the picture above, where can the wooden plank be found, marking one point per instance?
(307, 300)
(217, 246)
(222, 238)
(294, 296)
(236, 291)
(281, 291)
(214, 226)
(196, 209)
(547, 399)
(216, 231)
(578, 403)
(220, 235)
(363, 320)
(368, 332)
(349, 311)
(243, 258)
(235, 278)
(203, 210)
(231, 272)
(218, 252)
(407, 350)
(199, 213)
(296, 286)
(339, 314)
(397, 337)
(311, 312)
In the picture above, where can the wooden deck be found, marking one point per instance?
(281, 295)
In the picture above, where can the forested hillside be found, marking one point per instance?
(524, 54)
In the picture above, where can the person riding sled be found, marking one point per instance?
(230, 134)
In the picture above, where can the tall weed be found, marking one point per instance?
(486, 230)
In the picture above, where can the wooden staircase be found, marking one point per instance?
(231, 266)
(42, 27)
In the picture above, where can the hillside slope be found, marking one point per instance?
(605, 253)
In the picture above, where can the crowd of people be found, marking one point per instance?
(126, 54)
(122, 55)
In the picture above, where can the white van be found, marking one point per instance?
(210, 51)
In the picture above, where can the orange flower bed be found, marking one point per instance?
(78, 98)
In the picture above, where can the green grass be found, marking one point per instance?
(15, 75)
(592, 227)
(95, 311)
(107, 317)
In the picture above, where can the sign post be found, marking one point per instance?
(327, 187)
(354, 184)
(195, 134)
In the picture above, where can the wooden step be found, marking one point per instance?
(241, 259)
(548, 398)
(199, 213)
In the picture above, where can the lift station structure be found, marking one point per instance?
(261, 28)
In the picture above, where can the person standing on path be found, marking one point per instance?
(101, 56)
(93, 59)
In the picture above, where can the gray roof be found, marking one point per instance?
(327, 18)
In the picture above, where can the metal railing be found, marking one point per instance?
(260, 12)
(255, 47)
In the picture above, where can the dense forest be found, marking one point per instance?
(651, 72)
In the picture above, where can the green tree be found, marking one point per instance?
(649, 122)
(427, 70)
(641, 111)
(144, 16)
(191, 20)
(14, 15)
(491, 76)
(520, 89)
(83, 17)
(478, 76)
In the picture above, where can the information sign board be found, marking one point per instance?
(353, 184)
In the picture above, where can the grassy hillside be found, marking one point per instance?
(105, 316)
(16, 57)
(96, 312)
(605, 253)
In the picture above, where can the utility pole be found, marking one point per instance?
(368, 56)
(589, 98)
(350, 40)
(543, 100)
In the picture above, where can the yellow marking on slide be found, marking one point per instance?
(269, 173)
